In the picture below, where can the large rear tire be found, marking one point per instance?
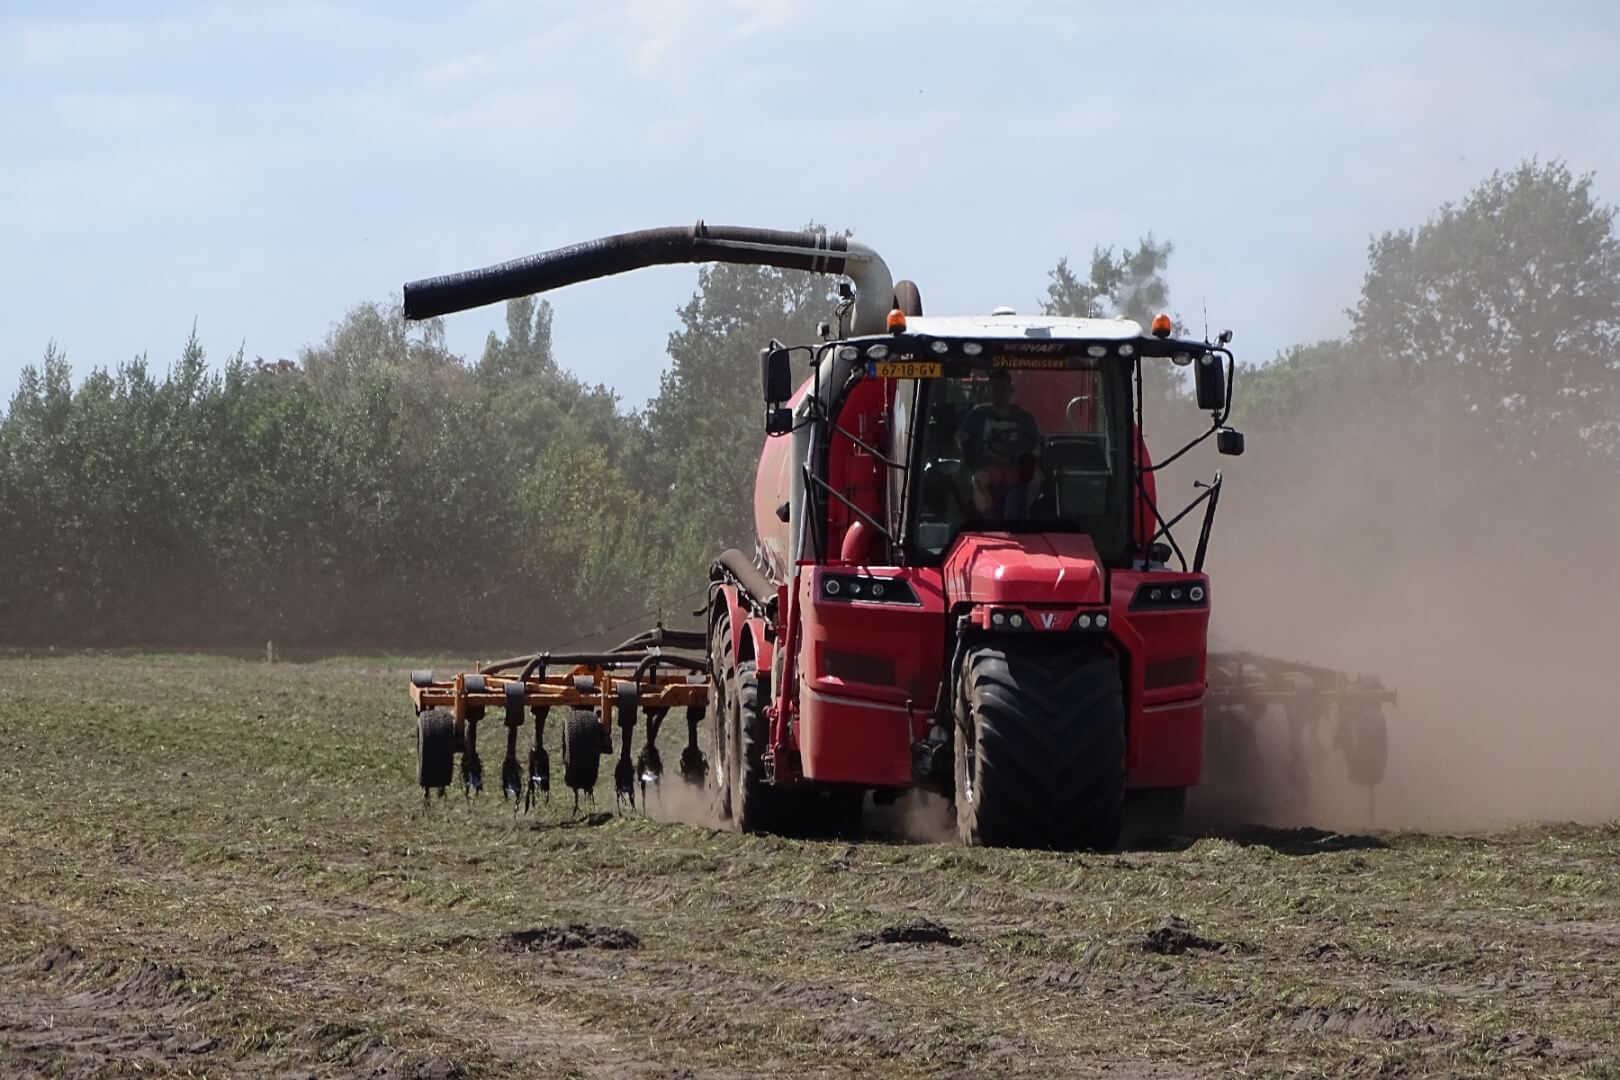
(1040, 747)
(721, 691)
(750, 733)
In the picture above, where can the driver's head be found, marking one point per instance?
(1001, 393)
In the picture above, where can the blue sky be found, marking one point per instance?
(260, 168)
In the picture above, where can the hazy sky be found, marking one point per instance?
(259, 168)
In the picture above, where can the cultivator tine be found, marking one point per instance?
(650, 764)
(539, 762)
(624, 773)
(472, 768)
(511, 774)
(649, 770)
(694, 766)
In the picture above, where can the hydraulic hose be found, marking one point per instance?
(747, 575)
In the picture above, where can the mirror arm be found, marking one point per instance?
(1218, 423)
(1164, 531)
(1214, 496)
(1189, 508)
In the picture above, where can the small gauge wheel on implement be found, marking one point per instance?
(435, 748)
(1362, 735)
(582, 749)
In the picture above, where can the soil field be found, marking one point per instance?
(213, 867)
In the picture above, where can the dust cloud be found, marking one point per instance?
(675, 801)
(917, 816)
(1487, 600)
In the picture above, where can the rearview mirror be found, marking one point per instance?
(1210, 378)
(778, 421)
(1229, 442)
(777, 372)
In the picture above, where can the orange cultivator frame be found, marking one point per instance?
(645, 676)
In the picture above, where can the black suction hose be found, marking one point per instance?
(818, 252)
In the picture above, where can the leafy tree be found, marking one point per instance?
(1130, 283)
(1504, 310)
(705, 428)
(525, 353)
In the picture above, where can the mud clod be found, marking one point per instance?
(1304, 840)
(1362, 1021)
(154, 984)
(1541, 1047)
(572, 936)
(1176, 937)
(54, 960)
(921, 932)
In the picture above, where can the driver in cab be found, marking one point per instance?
(1000, 442)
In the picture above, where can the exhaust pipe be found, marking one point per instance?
(813, 251)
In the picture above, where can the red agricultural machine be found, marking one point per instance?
(962, 579)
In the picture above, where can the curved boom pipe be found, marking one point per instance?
(812, 251)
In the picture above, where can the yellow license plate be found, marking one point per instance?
(908, 369)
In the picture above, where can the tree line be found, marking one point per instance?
(383, 492)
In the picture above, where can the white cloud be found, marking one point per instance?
(756, 17)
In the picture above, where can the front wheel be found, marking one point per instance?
(1040, 747)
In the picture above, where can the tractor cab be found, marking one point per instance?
(1015, 442)
(993, 424)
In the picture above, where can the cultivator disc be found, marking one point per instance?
(1328, 715)
(645, 676)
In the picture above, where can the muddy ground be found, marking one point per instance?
(219, 868)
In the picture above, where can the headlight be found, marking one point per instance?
(971, 348)
(877, 352)
(1180, 596)
(848, 353)
(941, 347)
(867, 588)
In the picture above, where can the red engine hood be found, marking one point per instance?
(1024, 568)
